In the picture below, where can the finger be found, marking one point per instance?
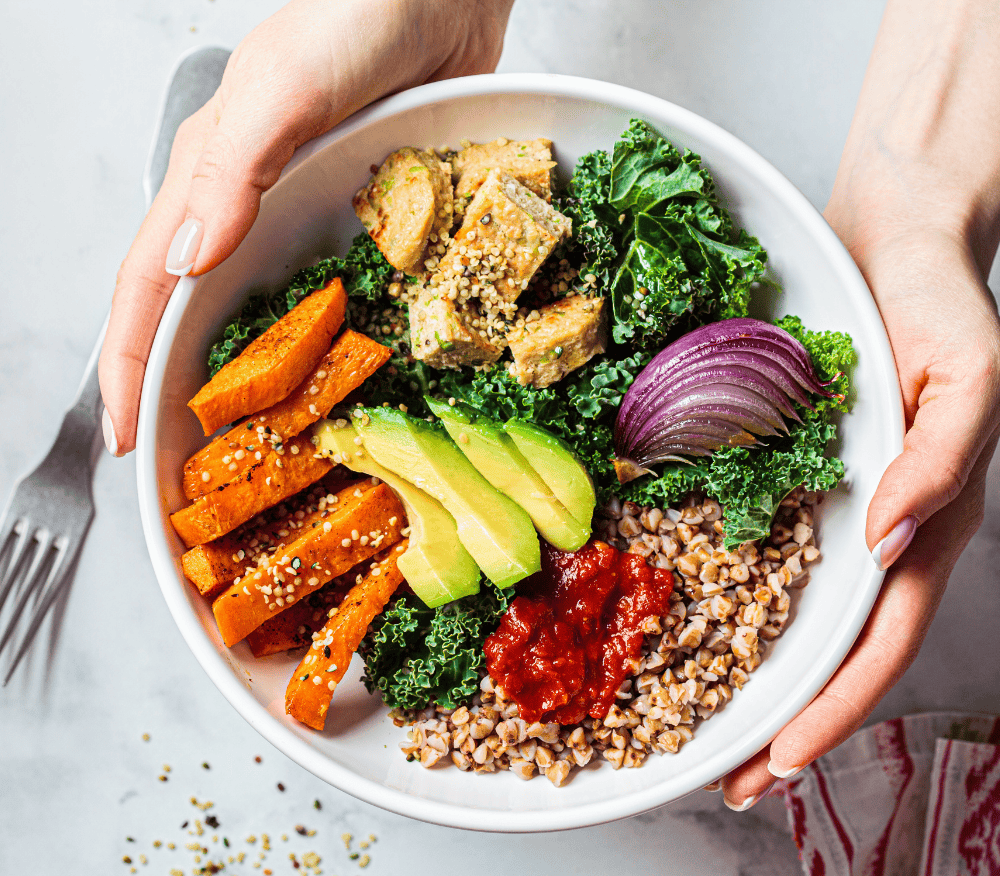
(952, 425)
(744, 786)
(890, 639)
(142, 290)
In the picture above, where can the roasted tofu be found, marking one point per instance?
(529, 162)
(505, 236)
(566, 335)
(407, 200)
(442, 334)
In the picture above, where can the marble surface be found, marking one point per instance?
(82, 83)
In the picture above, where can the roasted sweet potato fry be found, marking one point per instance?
(308, 695)
(291, 629)
(275, 363)
(276, 477)
(212, 567)
(351, 360)
(365, 520)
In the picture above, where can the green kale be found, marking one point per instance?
(684, 262)
(833, 356)
(595, 243)
(416, 656)
(365, 274)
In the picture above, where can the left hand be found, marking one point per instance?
(943, 326)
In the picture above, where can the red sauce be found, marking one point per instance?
(563, 647)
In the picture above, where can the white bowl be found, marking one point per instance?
(308, 215)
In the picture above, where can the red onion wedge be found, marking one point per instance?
(726, 383)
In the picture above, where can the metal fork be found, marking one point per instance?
(50, 510)
(47, 518)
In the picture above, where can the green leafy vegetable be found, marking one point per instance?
(416, 656)
(685, 262)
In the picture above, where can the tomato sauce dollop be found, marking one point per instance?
(563, 647)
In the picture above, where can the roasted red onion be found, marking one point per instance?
(726, 383)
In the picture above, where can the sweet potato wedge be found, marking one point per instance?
(308, 695)
(275, 363)
(366, 520)
(277, 476)
(293, 627)
(213, 567)
(351, 360)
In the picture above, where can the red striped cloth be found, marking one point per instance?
(915, 796)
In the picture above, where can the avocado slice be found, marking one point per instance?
(492, 451)
(434, 564)
(558, 466)
(494, 529)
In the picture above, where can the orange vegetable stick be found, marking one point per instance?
(308, 695)
(275, 363)
(276, 477)
(366, 520)
(212, 567)
(291, 629)
(351, 360)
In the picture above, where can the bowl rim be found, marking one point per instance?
(281, 736)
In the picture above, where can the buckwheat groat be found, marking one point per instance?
(444, 335)
(529, 162)
(566, 335)
(408, 200)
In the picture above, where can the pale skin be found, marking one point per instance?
(920, 217)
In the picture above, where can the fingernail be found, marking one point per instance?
(887, 551)
(109, 434)
(714, 786)
(184, 248)
(779, 773)
(744, 806)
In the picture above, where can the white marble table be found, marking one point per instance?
(81, 87)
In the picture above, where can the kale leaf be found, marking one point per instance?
(685, 263)
(415, 656)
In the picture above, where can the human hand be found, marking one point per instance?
(294, 77)
(916, 202)
(944, 331)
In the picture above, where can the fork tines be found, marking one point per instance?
(33, 564)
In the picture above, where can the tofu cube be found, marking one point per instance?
(505, 236)
(529, 162)
(567, 334)
(408, 199)
(441, 333)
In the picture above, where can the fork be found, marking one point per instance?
(50, 510)
(47, 518)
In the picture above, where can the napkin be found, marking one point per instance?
(914, 796)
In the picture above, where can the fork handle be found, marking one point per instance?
(88, 396)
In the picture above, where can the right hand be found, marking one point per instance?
(294, 77)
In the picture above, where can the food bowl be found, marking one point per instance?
(308, 215)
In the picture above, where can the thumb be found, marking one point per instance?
(954, 422)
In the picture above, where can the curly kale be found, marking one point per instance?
(416, 656)
(685, 263)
